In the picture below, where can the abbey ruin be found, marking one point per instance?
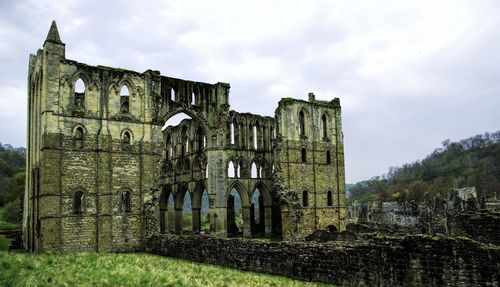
(107, 172)
(103, 173)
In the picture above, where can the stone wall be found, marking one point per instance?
(406, 261)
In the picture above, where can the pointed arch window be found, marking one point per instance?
(200, 139)
(78, 202)
(231, 133)
(172, 94)
(253, 171)
(324, 126)
(303, 154)
(230, 169)
(79, 94)
(184, 142)
(254, 136)
(126, 141)
(329, 198)
(302, 127)
(124, 100)
(328, 157)
(78, 138)
(126, 201)
(305, 198)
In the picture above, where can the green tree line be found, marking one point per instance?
(474, 161)
(12, 178)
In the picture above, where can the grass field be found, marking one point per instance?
(92, 269)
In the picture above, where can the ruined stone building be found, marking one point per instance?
(103, 173)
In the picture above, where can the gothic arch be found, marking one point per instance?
(129, 84)
(240, 188)
(264, 192)
(197, 195)
(201, 121)
(122, 133)
(304, 126)
(179, 196)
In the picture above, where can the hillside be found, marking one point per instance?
(474, 161)
(12, 177)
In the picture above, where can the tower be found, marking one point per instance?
(310, 157)
(93, 148)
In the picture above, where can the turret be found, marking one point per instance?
(53, 43)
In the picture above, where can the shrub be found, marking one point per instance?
(4, 243)
(12, 212)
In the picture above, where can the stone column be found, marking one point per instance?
(268, 221)
(247, 232)
(196, 219)
(178, 221)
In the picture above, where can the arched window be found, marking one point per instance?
(329, 198)
(253, 171)
(258, 136)
(200, 139)
(126, 138)
(324, 125)
(254, 137)
(302, 127)
(231, 131)
(305, 198)
(79, 137)
(172, 94)
(124, 100)
(303, 154)
(193, 98)
(78, 202)
(79, 94)
(126, 202)
(230, 169)
(328, 157)
(185, 142)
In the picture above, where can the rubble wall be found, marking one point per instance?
(404, 261)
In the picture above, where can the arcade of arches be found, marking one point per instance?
(255, 175)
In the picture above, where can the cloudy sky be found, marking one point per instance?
(409, 74)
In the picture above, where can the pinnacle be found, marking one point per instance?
(53, 35)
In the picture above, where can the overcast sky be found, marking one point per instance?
(409, 74)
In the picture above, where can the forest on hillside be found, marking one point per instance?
(12, 178)
(474, 161)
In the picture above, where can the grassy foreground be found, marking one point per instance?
(92, 269)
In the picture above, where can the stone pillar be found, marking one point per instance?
(178, 221)
(268, 221)
(253, 226)
(196, 219)
(221, 221)
(245, 210)
(163, 221)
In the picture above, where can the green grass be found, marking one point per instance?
(108, 269)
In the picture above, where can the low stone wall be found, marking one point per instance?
(483, 226)
(408, 261)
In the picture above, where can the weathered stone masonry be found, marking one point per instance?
(387, 261)
(100, 170)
